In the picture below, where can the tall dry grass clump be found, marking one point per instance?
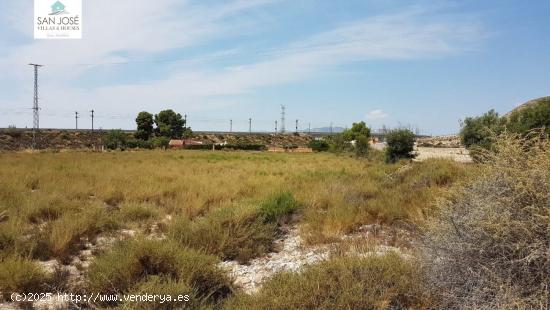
(372, 282)
(490, 248)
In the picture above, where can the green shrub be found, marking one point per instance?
(20, 275)
(229, 233)
(535, 115)
(130, 263)
(319, 145)
(376, 282)
(337, 144)
(139, 144)
(489, 247)
(362, 146)
(481, 131)
(400, 144)
(115, 139)
(279, 207)
(160, 142)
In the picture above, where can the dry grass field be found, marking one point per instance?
(188, 210)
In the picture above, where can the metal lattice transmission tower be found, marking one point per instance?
(283, 118)
(35, 108)
(92, 111)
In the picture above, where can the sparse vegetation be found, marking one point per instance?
(136, 264)
(489, 247)
(386, 282)
(18, 275)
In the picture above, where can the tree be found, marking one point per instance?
(356, 130)
(480, 131)
(400, 144)
(144, 121)
(169, 124)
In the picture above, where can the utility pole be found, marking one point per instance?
(230, 125)
(296, 126)
(35, 108)
(250, 125)
(76, 117)
(92, 119)
(275, 126)
(330, 128)
(282, 118)
(309, 128)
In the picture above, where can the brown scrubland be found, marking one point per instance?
(189, 210)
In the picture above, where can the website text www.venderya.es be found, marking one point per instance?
(94, 298)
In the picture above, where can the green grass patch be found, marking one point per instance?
(279, 207)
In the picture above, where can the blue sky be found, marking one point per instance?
(426, 64)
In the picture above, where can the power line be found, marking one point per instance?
(35, 108)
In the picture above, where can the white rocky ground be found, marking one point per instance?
(294, 254)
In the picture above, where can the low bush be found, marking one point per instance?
(376, 282)
(362, 146)
(138, 212)
(139, 144)
(20, 275)
(229, 233)
(115, 139)
(489, 247)
(400, 144)
(279, 207)
(131, 265)
(319, 145)
(160, 142)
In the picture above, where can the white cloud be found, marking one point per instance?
(173, 24)
(377, 114)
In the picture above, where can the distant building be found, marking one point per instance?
(180, 143)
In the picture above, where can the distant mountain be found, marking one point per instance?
(327, 129)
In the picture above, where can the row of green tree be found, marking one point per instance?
(482, 131)
(400, 142)
(166, 123)
(153, 131)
